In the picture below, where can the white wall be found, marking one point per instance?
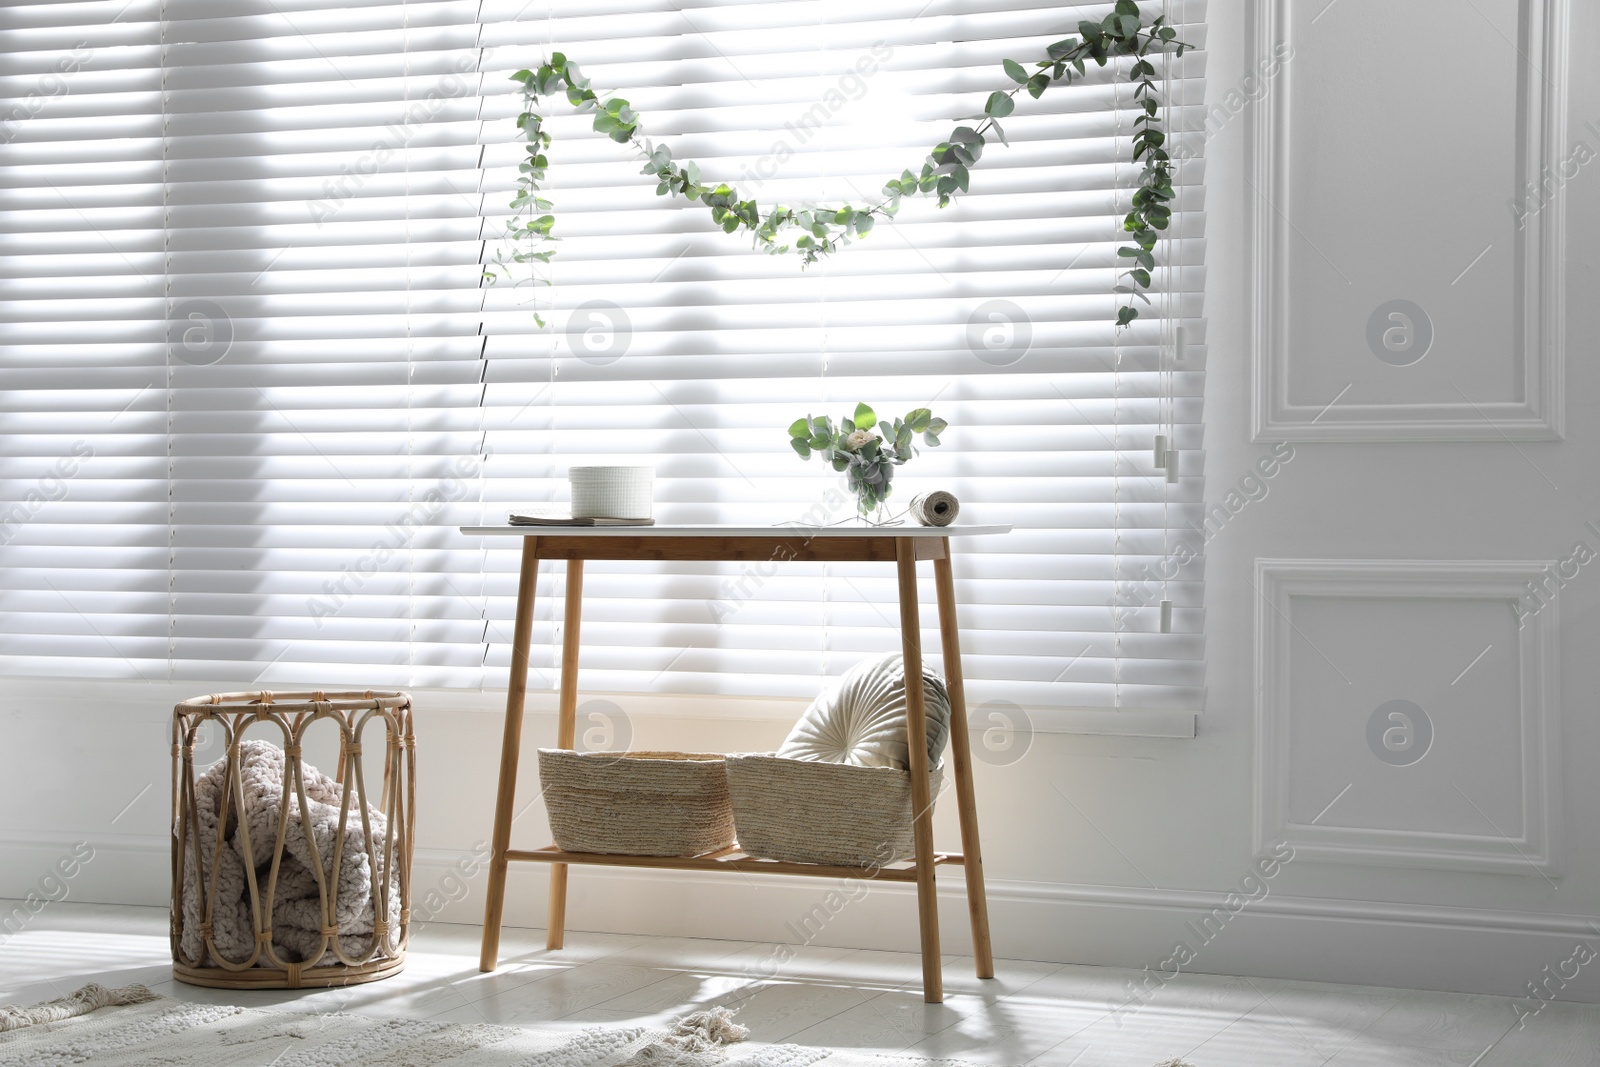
(1396, 162)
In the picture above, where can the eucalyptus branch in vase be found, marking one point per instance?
(867, 459)
(818, 231)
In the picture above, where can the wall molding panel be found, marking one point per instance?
(1532, 370)
(1527, 769)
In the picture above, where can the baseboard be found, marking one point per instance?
(1419, 946)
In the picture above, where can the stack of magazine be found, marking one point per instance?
(551, 517)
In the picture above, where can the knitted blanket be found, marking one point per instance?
(297, 911)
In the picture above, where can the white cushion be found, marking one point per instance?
(861, 718)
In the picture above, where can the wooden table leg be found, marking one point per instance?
(510, 750)
(921, 794)
(566, 737)
(961, 757)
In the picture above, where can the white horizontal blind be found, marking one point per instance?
(227, 274)
(303, 195)
(83, 473)
(325, 203)
(724, 348)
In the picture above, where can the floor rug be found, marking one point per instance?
(133, 1027)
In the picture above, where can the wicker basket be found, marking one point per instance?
(811, 812)
(256, 903)
(636, 803)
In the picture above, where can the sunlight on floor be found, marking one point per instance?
(1043, 1014)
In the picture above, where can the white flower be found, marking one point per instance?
(857, 439)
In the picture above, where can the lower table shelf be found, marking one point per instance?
(731, 859)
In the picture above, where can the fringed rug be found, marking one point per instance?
(133, 1027)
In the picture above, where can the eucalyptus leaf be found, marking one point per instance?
(1063, 48)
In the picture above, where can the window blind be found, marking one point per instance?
(254, 378)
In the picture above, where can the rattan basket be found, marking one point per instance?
(636, 803)
(812, 812)
(235, 925)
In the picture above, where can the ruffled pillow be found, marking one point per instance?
(861, 718)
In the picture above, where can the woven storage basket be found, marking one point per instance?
(241, 917)
(812, 812)
(636, 803)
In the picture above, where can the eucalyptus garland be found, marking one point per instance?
(946, 173)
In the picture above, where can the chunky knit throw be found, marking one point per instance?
(297, 909)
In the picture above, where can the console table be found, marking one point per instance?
(903, 546)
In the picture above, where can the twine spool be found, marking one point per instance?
(937, 508)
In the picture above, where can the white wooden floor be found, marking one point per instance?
(1033, 1013)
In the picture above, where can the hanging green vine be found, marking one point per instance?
(945, 173)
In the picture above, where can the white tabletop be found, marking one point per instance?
(789, 529)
